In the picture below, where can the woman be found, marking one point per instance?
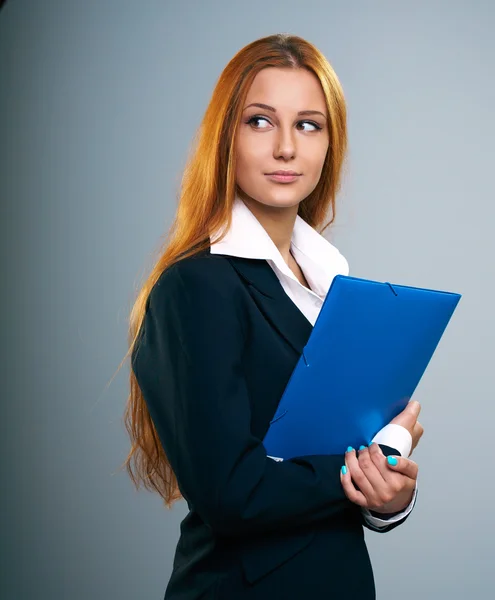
(218, 328)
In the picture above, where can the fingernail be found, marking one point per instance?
(350, 449)
(344, 470)
(362, 447)
(392, 461)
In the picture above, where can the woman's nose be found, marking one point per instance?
(285, 146)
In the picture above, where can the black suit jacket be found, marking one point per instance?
(218, 345)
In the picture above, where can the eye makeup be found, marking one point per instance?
(254, 118)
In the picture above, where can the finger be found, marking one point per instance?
(408, 417)
(350, 491)
(380, 461)
(395, 481)
(416, 435)
(359, 477)
(403, 465)
(418, 431)
(371, 470)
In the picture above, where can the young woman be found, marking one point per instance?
(219, 326)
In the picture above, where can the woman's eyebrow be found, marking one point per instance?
(301, 112)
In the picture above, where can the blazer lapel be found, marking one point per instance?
(274, 303)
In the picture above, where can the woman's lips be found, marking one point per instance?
(283, 178)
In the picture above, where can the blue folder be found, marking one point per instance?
(366, 354)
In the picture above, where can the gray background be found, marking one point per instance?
(99, 102)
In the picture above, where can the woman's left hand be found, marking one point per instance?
(383, 487)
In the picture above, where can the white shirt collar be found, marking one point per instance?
(318, 258)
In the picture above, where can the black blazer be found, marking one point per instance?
(216, 350)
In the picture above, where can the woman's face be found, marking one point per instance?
(277, 137)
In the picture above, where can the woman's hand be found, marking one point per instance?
(383, 486)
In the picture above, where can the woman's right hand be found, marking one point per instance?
(408, 418)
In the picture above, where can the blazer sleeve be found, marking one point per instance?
(189, 366)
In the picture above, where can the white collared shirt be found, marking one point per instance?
(320, 261)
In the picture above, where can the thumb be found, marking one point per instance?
(408, 417)
(405, 466)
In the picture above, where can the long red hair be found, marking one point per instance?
(205, 203)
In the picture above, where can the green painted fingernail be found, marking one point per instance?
(391, 461)
(344, 470)
(362, 447)
(350, 449)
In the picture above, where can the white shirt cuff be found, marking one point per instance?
(395, 436)
(381, 523)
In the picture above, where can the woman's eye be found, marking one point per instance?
(315, 126)
(253, 119)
